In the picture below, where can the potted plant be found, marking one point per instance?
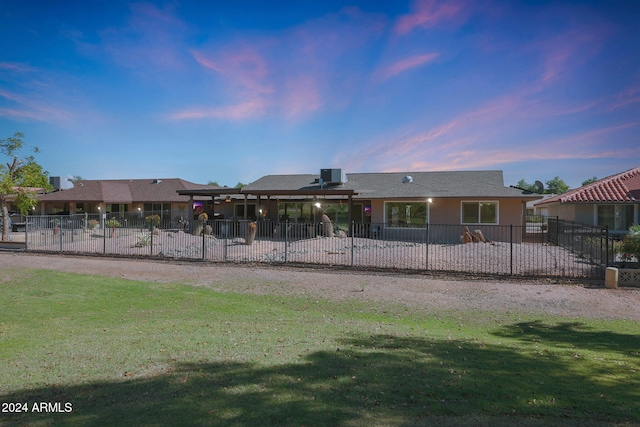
(112, 224)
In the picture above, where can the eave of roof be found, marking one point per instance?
(619, 188)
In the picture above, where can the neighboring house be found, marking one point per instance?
(392, 201)
(127, 198)
(534, 210)
(613, 201)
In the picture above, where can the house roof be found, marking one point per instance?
(620, 188)
(394, 185)
(126, 191)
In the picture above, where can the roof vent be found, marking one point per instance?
(407, 179)
(157, 181)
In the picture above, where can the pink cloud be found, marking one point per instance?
(627, 97)
(33, 109)
(404, 65)
(246, 110)
(243, 66)
(563, 54)
(295, 71)
(428, 13)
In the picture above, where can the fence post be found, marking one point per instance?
(26, 233)
(104, 237)
(353, 229)
(226, 241)
(511, 249)
(426, 242)
(151, 237)
(286, 241)
(204, 227)
(61, 233)
(606, 242)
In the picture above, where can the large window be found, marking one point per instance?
(164, 211)
(616, 217)
(238, 211)
(479, 212)
(406, 214)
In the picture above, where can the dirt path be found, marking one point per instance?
(421, 293)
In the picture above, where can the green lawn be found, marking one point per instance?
(123, 352)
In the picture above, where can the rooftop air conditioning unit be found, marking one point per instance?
(55, 182)
(333, 176)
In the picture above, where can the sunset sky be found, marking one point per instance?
(230, 91)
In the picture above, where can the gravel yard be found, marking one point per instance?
(525, 259)
(419, 293)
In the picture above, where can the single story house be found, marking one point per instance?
(127, 198)
(389, 202)
(613, 201)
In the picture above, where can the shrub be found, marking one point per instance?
(630, 246)
(152, 221)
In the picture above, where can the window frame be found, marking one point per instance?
(386, 218)
(479, 203)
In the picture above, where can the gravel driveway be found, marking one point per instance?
(420, 293)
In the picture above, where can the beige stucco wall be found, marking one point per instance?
(562, 211)
(447, 210)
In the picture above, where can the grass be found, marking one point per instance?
(124, 352)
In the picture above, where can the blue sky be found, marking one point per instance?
(230, 91)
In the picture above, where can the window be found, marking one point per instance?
(157, 209)
(616, 217)
(479, 212)
(238, 211)
(117, 208)
(295, 212)
(406, 214)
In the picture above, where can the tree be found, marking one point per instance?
(526, 186)
(18, 177)
(75, 178)
(589, 181)
(213, 183)
(239, 185)
(556, 186)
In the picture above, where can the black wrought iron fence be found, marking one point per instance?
(486, 249)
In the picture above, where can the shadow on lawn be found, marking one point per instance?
(573, 334)
(368, 380)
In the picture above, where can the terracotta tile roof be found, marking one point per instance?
(620, 188)
(125, 191)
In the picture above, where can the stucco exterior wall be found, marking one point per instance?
(566, 212)
(584, 214)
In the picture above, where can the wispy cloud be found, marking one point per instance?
(403, 65)
(244, 67)
(28, 107)
(152, 43)
(627, 97)
(295, 72)
(250, 109)
(429, 13)
(16, 67)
